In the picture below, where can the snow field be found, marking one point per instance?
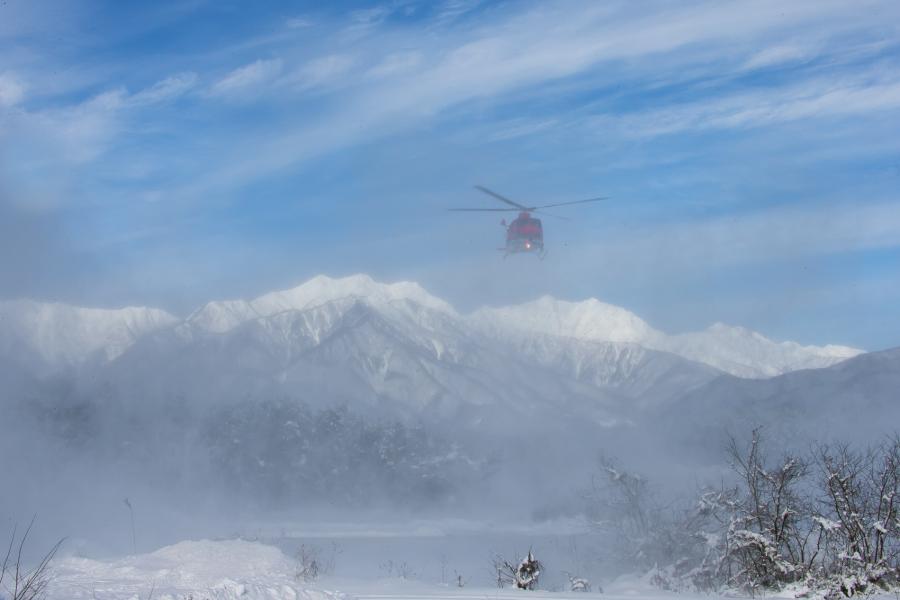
(238, 569)
(192, 570)
(245, 570)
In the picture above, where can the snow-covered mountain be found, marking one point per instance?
(734, 350)
(590, 320)
(853, 401)
(254, 388)
(46, 337)
(225, 315)
(745, 353)
(402, 358)
(50, 337)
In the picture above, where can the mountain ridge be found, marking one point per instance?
(731, 349)
(50, 336)
(261, 396)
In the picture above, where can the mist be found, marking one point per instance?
(380, 297)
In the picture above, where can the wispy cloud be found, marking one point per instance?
(520, 128)
(779, 55)
(11, 90)
(529, 49)
(167, 89)
(451, 10)
(365, 21)
(589, 96)
(248, 78)
(493, 61)
(369, 17)
(78, 134)
(398, 63)
(776, 234)
(821, 98)
(320, 72)
(298, 23)
(57, 139)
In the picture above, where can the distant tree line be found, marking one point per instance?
(269, 452)
(825, 523)
(282, 450)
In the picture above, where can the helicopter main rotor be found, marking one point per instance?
(516, 207)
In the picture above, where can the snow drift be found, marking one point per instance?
(225, 570)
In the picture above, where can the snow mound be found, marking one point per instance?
(223, 570)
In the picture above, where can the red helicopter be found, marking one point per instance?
(525, 233)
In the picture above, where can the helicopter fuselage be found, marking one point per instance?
(524, 234)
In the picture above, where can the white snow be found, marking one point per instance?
(745, 353)
(735, 350)
(223, 316)
(56, 336)
(237, 569)
(589, 320)
(220, 570)
(61, 336)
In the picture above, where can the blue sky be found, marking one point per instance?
(172, 153)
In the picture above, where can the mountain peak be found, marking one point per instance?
(59, 335)
(320, 290)
(733, 349)
(589, 319)
(735, 331)
(746, 353)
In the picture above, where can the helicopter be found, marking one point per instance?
(525, 233)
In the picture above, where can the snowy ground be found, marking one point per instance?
(220, 570)
(441, 550)
(422, 558)
(246, 570)
(238, 569)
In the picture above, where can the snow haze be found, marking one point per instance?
(334, 365)
(263, 333)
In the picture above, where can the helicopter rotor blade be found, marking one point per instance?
(483, 209)
(481, 188)
(573, 202)
(546, 214)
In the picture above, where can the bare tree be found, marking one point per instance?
(623, 505)
(647, 533)
(307, 563)
(768, 537)
(578, 584)
(23, 583)
(860, 516)
(829, 520)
